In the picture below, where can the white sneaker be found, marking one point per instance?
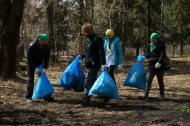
(161, 97)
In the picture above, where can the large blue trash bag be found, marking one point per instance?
(44, 88)
(105, 86)
(136, 76)
(79, 87)
(73, 77)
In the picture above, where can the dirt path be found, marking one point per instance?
(129, 111)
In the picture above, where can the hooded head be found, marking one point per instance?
(109, 33)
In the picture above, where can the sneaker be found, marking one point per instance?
(29, 100)
(143, 98)
(161, 97)
(48, 99)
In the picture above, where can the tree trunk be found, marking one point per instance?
(92, 6)
(1, 28)
(149, 24)
(137, 51)
(124, 35)
(181, 45)
(124, 38)
(50, 27)
(161, 17)
(13, 13)
(81, 21)
(173, 48)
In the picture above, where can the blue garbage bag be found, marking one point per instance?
(136, 76)
(105, 86)
(43, 88)
(73, 77)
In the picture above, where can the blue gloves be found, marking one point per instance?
(141, 57)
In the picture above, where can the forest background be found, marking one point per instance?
(132, 20)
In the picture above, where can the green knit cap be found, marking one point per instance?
(154, 36)
(43, 37)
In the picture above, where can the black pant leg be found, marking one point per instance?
(30, 83)
(89, 82)
(160, 76)
(111, 72)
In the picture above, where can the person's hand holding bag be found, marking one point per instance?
(103, 66)
(44, 71)
(37, 71)
(141, 58)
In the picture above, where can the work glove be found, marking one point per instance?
(120, 67)
(44, 71)
(157, 66)
(141, 57)
(37, 71)
(103, 66)
(79, 59)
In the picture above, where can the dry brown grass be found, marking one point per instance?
(129, 111)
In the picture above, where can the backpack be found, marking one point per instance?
(167, 63)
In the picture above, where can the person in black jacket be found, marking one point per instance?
(94, 58)
(38, 54)
(156, 53)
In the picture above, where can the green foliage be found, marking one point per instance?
(184, 108)
(178, 13)
(128, 19)
(61, 27)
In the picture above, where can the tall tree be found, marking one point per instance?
(81, 21)
(1, 29)
(61, 25)
(50, 7)
(148, 23)
(12, 13)
(178, 12)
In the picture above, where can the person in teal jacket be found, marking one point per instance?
(113, 53)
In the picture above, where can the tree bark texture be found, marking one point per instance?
(12, 18)
(49, 10)
(148, 23)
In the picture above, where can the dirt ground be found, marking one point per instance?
(129, 111)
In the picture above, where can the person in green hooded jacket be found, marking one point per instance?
(156, 54)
